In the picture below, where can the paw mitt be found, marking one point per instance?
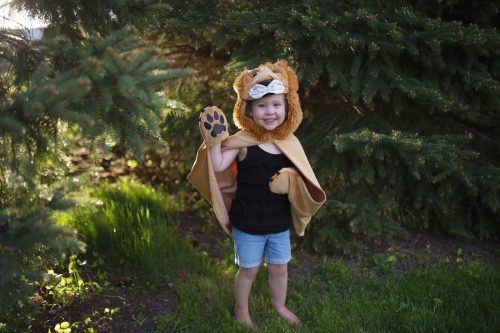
(213, 125)
(280, 182)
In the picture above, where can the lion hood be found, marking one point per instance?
(289, 84)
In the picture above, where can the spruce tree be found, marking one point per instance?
(401, 103)
(94, 71)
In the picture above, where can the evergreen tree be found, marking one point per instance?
(93, 71)
(401, 103)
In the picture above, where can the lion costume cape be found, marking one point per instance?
(300, 183)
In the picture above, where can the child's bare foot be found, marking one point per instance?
(288, 315)
(243, 316)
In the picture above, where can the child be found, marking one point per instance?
(259, 180)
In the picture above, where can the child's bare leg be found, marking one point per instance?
(242, 285)
(278, 281)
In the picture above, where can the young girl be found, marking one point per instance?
(259, 180)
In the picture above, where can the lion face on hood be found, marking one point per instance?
(283, 80)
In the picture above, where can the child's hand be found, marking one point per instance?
(213, 125)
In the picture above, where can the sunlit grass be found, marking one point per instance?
(133, 226)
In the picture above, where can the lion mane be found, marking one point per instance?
(269, 71)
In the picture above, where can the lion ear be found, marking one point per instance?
(238, 83)
(283, 64)
(293, 81)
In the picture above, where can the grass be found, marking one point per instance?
(433, 299)
(138, 225)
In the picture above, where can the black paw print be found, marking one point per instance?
(216, 128)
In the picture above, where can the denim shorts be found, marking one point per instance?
(249, 248)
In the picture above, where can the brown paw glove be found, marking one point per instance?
(213, 125)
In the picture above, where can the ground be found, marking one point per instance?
(138, 308)
(416, 250)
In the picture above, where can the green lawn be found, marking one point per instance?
(434, 299)
(136, 224)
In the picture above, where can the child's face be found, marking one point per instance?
(269, 112)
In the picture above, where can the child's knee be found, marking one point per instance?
(249, 273)
(278, 270)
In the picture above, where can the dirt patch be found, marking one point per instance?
(417, 250)
(423, 249)
(303, 265)
(138, 316)
(114, 310)
(204, 235)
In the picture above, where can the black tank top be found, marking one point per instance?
(255, 209)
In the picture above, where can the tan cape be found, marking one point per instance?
(304, 192)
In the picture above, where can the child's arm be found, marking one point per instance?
(221, 160)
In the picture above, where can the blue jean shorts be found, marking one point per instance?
(249, 248)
